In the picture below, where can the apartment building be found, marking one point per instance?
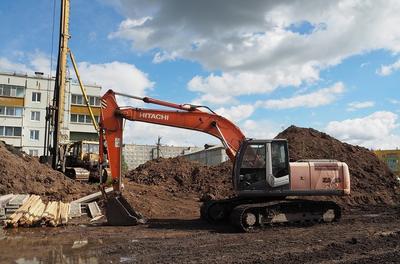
(23, 102)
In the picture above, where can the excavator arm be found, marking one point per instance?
(184, 116)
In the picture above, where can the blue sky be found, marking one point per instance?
(265, 65)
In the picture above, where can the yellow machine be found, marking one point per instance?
(81, 160)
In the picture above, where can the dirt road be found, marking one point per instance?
(362, 236)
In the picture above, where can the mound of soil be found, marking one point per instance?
(179, 175)
(21, 173)
(371, 180)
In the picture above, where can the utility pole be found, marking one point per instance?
(158, 146)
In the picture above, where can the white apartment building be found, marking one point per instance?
(23, 102)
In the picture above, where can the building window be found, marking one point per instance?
(34, 152)
(10, 111)
(74, 118)
(77, 99)
(11, 90)
(35, 116)
(7, 131)
(34, 135)
(84, 119)
(36, 97)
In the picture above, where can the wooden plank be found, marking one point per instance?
(92, 197)
(14, 218)
(64, 214)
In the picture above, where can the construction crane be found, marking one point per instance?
(263, 177)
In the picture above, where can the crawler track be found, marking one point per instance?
(250, 215)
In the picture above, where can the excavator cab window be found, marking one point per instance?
(264, 166)
(253, 168)
(280, 162)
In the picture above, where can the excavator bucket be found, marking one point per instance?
(120, 213)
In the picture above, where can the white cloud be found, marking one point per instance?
(318, 98)
(236, 113)
(259, 129)
(372, 131)
(386, 70)
(214, 99)
(143, 133)
(164, 56)
(252, 44)
(118, 76)
(40, 62)
(36, 62)
(245, 83)
(394, 101)
(359, 105)
(8, 66)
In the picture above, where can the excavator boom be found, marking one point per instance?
(188, 117)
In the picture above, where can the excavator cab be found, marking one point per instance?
(262, 166)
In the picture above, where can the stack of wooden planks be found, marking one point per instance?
(34, 212)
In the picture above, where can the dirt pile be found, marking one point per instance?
(371, 180)
(21, 173)
(179, 175)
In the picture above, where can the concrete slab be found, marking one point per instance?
(94, 209)
(75, 210)
(10, 211)
(92, 197)
(4, 199)
(12, 206)
(18, 199)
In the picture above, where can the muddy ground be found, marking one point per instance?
(362, 236)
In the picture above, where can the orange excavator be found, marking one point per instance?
(267, 185)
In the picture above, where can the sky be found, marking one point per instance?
(265, 65)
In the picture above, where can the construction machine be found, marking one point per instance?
(81, 161)
(267, 185)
